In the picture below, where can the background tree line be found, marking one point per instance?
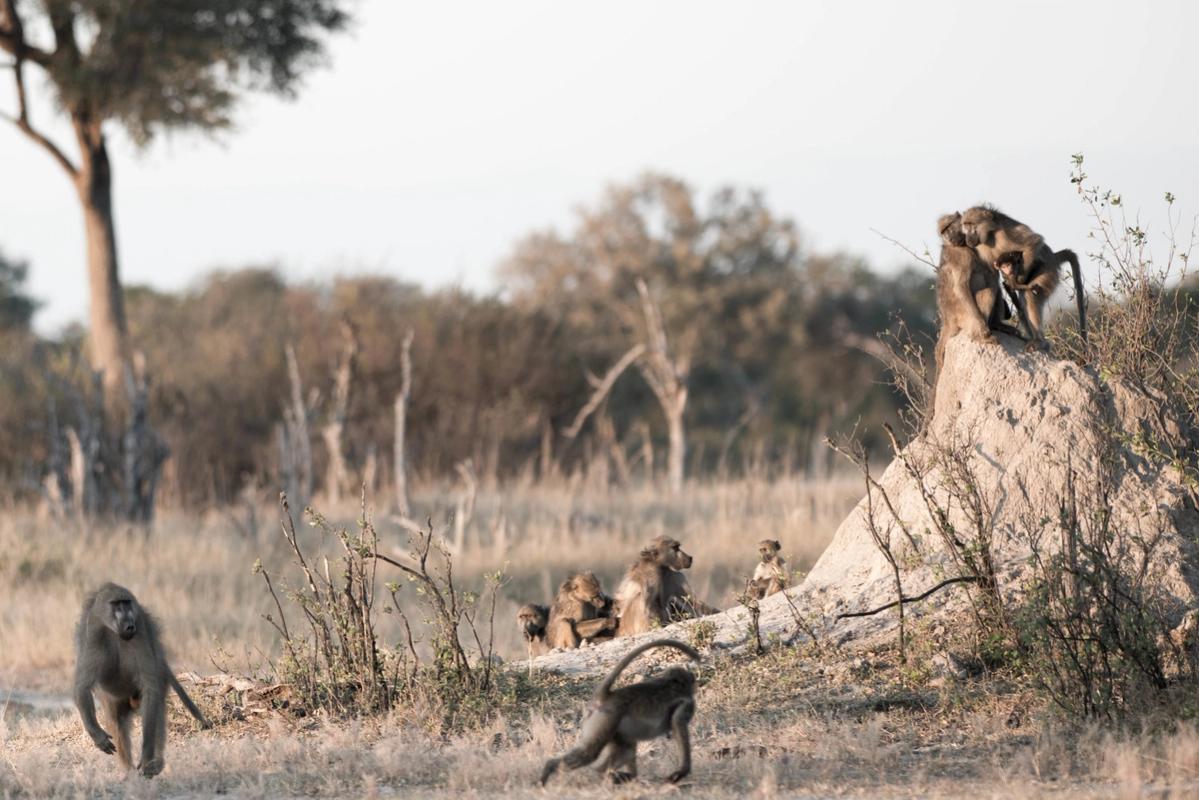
(765, 343)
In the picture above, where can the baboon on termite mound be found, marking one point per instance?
(993, 233)
(770, 575)
(654, 589)
(618, 719)
(119, 655)
(533, 619)
(580, 612)
(967, 289)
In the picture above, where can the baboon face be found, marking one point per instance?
(532, 620)
(586, 587)
(1010, 264)
(670, 553)
(949, 226)
(978, 224)
(120, 614)
(769, 548)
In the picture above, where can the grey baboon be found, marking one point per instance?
(770, 575)
(580, 612)
(533, 620)
(967, 289)
(617, 719)
(654, 589)
(992, 233)
(119, 655)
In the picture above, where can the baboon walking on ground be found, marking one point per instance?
(618, 719)
(119, 655)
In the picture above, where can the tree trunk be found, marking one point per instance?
(401, 427)
(108, 332)
(677, 456)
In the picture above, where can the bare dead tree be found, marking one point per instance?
(667, 378)
(295, 447)
(401, 423)
(602, 388)
(337, 474)
(466, 503)
(144, 450)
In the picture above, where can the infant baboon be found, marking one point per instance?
(770, 576)
(580, 612)
(967, 289)
(655, 591)
(119, 655)
(618, 719)
(993, 233)
(533, 620)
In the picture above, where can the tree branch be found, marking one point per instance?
(602, 388)
(917, 598)
(12, 39)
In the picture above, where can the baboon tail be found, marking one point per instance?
(1080, 296)
(187, 701)
(605, 687)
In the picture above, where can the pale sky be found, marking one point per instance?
(442, 132)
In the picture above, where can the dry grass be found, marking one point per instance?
(195, 572)
(790, 723)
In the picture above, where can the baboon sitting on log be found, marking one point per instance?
(770, 576)
(654, 590)
(580, 612)
(533, 620)
(119, 655)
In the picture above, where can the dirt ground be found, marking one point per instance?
(794, 722)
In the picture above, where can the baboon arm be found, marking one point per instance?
(87, 712)
(590, 628)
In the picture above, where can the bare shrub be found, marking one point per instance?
(334, 658)
(1094, 626)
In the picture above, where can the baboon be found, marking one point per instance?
(119, 655)
(618, 719)
(992, 233)
(770, 575)
(580, 612)
(533, 620)
(967, 289)
(655, 590)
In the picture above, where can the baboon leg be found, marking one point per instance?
(597, 730)
(975, 324)
(680, 722)
(120, 713)
(154, 731)
(621, 761)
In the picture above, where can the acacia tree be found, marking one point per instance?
(149, 66)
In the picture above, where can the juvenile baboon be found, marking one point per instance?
(967, 289)
(533, 620)
(119, 655)
(580, 600)
(770, 575)
(654, 589)
(618, 719)
(993, 233)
